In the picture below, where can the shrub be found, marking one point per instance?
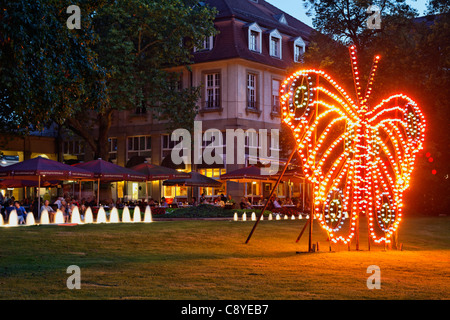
(208, 211)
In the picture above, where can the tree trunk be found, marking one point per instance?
(104, 124)
(99, 144)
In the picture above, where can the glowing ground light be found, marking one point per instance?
(358, 158)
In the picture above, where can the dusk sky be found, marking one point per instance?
(296, 8)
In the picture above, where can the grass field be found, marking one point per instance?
(208, 260)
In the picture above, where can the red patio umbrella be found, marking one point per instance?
(43, 169)
(107, 171)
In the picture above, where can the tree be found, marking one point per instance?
(414, 60)
(139, 41)
(45, 68)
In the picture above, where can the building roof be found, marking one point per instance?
(265, 14)
(429, 20)
(232, 21)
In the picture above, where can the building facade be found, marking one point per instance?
(240, 71)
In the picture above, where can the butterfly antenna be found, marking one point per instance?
(355, 71)
(376, 59)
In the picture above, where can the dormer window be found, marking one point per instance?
(275, 43)
(281, 18)
(254, 37)
(208, 43)
(299, 49)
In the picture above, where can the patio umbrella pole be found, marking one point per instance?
(271, 193)
(98, 192)
(39, 196)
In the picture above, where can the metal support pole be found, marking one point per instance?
(303, 230)
(271, 193)
(311, 217)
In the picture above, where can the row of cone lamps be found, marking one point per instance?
(270, 217)
(76, 218)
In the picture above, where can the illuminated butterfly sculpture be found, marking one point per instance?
(359, 159)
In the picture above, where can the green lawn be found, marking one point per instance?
(209, 260)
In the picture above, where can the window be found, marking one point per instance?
(176, 82)
(251, 140)
(275, 96)
(298, 54)
(139, 146)
(208, 44)
(275, 43)
(166, 145)
(212, 96)
(142, 109)
(299, 49)
(73, 147)
(214, 174)
(254, 41)
(112, 148)
(254, 37)
(275, 47)
(251, 91)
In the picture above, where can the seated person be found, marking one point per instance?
(58, 202)
(8, 208)
(21, 213)
(242, 204)
(65, 213)
(164, 203)
(82, 211)
(46, 206)
(288, 202)
(219, 203)
(276, 203)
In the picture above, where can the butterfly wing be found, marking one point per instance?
(396, 127)
(397, 131)
(325, 122)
